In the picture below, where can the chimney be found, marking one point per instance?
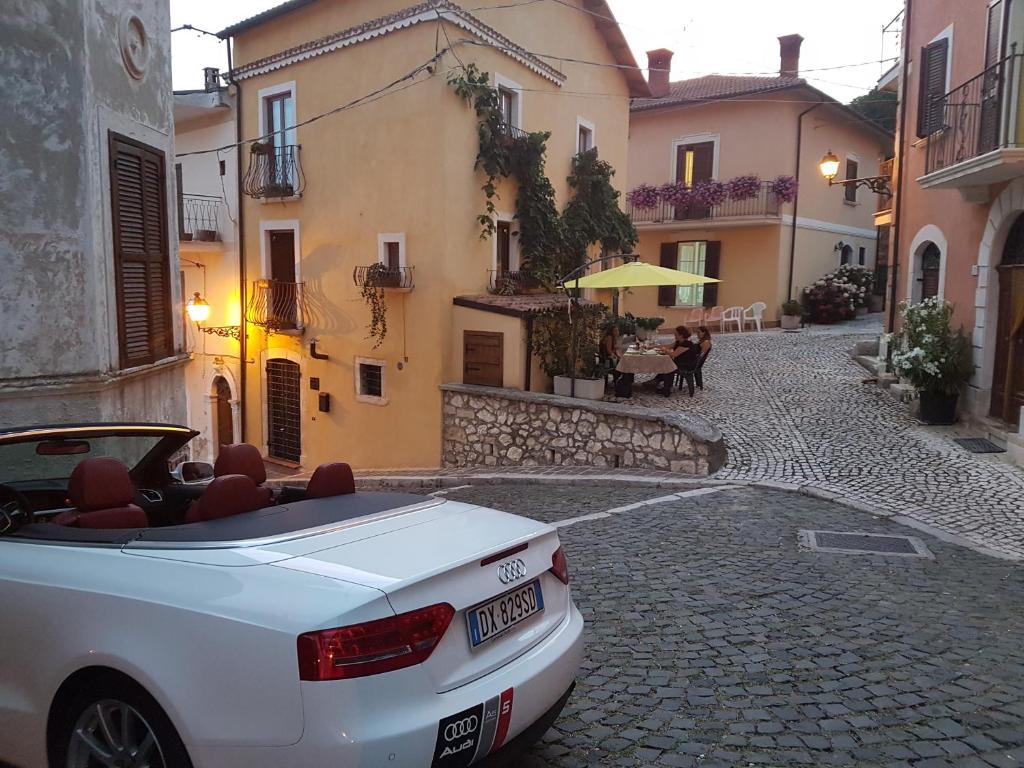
(659, 64)
(789, 55)
(211, 78)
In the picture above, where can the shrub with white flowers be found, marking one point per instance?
(860, 278)
(927, 352)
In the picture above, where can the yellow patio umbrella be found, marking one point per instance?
(636, 274)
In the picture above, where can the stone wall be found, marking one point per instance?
(491, 427)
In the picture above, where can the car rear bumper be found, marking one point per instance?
(393, 719)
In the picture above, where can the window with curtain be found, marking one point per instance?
(693, 259)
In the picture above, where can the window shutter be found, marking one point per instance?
(850, 190)
(669, 259)
(993, 39)
(141, 255)
(712, 268)
(703, 161)
(930, 105)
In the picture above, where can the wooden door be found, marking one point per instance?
(1008, 372)
(931, 265)
(284, 434)
(483, 358)
(283, 308)
(694, 163)
(225, 428)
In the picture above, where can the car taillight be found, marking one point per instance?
(374, 646)
(559, 566)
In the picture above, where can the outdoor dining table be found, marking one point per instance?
(632, 363)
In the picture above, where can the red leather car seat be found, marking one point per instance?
(331, 480)
(101, 492)
(243, 459)
(225, 496)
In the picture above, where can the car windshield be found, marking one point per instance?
(50, 459)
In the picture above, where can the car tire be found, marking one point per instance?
(112, 699)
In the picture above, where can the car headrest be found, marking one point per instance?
(228, 495)
(240, 459)
(331, 480)
(100, 482)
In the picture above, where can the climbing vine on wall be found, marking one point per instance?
(550, 244)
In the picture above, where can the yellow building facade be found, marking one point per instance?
(350, 173)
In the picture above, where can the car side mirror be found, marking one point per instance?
(193, 472)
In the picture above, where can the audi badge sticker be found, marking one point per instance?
(472, 734)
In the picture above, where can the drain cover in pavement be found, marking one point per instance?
(978, 445)
(863, 543)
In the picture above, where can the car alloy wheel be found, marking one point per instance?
(112, 734)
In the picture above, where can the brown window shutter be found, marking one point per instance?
(670, 259)
(850, 190)
(141, 254)
(703, 161)
(994, 36)
(930, 103)
(712, 268)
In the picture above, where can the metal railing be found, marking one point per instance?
(390, 277)
(765, 203)
(276, 305)
(510, 283)
(511, 131)
(274, 171)
(885, 201)
(977, 117)
(198, 218)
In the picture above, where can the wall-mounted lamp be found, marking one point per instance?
(829, 165)
(198, 310)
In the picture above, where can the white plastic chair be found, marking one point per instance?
(696, 317)
(714, 315)
(733, 315)
(754, 314)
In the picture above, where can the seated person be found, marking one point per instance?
(704, 343)
(684, 352)
(608, 351)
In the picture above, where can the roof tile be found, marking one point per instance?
(715, 87)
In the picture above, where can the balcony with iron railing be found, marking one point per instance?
(276, 306)
(382, 276)
(198, 218)
(274, 171)
(975, 137)
(511, 282)
(764, 205)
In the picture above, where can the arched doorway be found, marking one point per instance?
(223, 426)
(1008, 371)
(931, 266)
(846, 255)
(284, 436)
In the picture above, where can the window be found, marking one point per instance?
(584, 135)
(277, 124)
(138, 192)
(693, 259)
(391, 250)
(862, 255)
(507, 105)
(702, 257)
(850, 191)
(370, 381)
(504, 247)
(933, 87)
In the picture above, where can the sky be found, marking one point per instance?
(720, 36)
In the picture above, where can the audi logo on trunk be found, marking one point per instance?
(464, 727)
(511, 571)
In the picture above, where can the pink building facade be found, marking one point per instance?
(959, 180)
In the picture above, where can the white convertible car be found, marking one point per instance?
(152, 622)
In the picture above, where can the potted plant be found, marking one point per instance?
(647, 326)
(792, 312)
(932, 357)
(569, 351)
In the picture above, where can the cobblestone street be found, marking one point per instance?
(712, 640)
(793, 409)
